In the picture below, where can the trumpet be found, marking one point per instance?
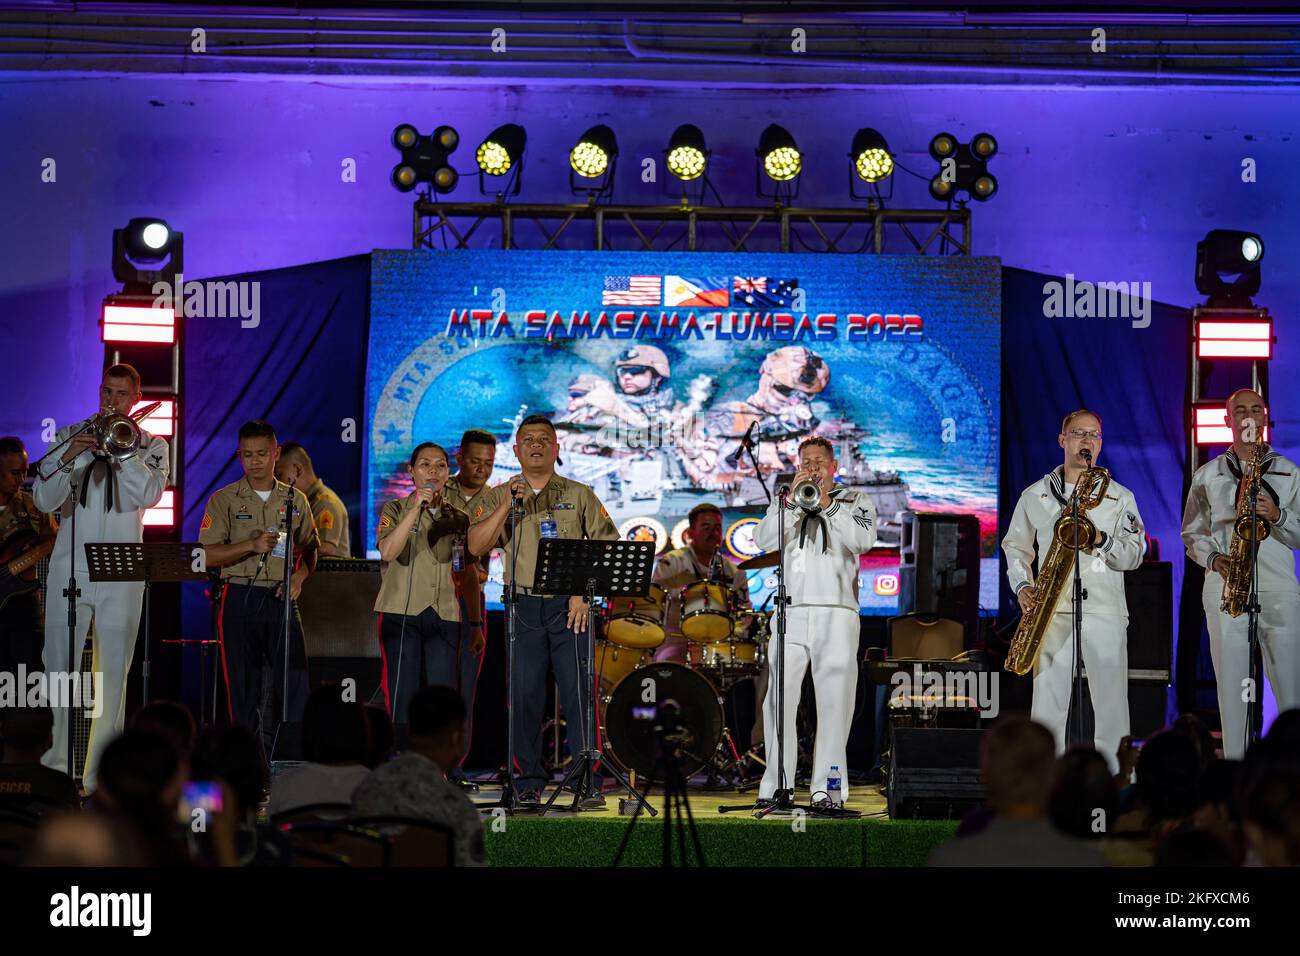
(118, 434)
(806, 493)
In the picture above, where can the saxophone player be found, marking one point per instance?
(1208, 522)
(1118, 546)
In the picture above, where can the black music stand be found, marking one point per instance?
(150, 562)
(593, 569)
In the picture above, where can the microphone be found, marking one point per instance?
(748, 440)
(261, 562)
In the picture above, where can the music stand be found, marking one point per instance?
(150, 562)
(593, 568)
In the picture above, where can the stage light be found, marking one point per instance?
(984, 146)
(137, 321)
(1234, 338)
(146, 250)
(163, 514)
(425, 159)
(1227, 253)
(502, 150)
(870, 155)
(780, 155)
(942, 146)
(963, 167)
(592, 154)
(1209, 428)
(161, 421)
(688, 157)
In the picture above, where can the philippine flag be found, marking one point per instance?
(708, 291)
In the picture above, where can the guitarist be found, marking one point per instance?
(25, 532)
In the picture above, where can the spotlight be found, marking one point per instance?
(594, 157)
(687, 156)
(145, 251)
(870, 155)
(943, 146)
(1229, 252)
(502, 150)
(779, 154)
(592, 154)
(425, 159)
(963, 167)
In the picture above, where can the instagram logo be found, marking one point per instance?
(886, 584)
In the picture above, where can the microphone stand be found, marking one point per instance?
(509, 793)
(1074, 734)
(71, 592)
(285, 626)
(1255, 706)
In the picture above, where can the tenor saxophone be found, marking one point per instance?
(1236, 583)
(1067, 539)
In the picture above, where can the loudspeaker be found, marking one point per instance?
(1149, 594)
(337, 606)
(939, 568)
(934, 773)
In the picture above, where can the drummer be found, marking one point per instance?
(700, 560)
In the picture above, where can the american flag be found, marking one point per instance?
(749, 284)
(630, 290)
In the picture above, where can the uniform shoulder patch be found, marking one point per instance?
(862, 515)
(327, 519)
(478, 511)
(206, 523)
(385, 521)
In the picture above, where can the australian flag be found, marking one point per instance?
(762, 292)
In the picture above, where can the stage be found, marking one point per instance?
(591, 838)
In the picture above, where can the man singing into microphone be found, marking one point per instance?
(243, 533)
(110, 497)
(549, 628)
(823, 545)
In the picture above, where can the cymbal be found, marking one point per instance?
(769, 560)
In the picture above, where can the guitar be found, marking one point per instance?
(18, 556)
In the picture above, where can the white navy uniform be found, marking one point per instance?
(111, 501)
(1121, 544)
(1207, 531)
(821, 570)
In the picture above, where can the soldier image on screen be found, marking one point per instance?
(635, 420)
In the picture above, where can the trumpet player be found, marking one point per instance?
(110, 491)
(824, 539)
(1118, 543)
(1208, 529)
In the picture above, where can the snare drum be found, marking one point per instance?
(637, 622)
(706, 612)
(739, 653)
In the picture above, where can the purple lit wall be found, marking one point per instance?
(1107, 184)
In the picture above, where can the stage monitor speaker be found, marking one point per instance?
(939, 568)
(934, 773)
(337, 605)
(1149, 593)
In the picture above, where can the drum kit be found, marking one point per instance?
(725, 644)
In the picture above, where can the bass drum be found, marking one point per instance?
(630, 718)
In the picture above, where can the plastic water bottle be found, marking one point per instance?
(833, 788)
(458, 554)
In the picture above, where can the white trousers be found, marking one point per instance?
(1105, 656)
(825, 638)
(114, 610)
(1279, 647)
